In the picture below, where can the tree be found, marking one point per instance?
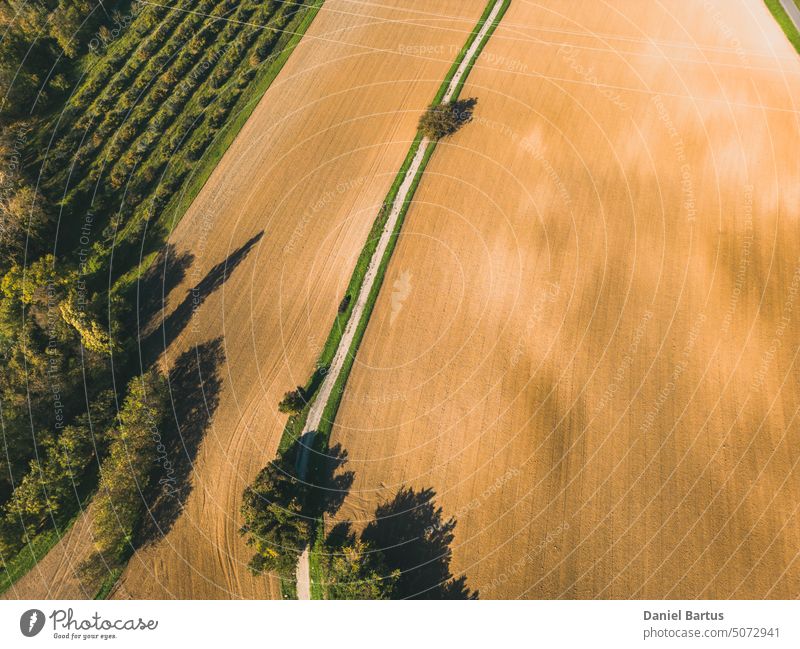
(293, 401)
(274, 523)
(358, 571)
(10, 538)
(93, 336)
(441, 120)
(125, 473)
(51, 486)
(23, 211)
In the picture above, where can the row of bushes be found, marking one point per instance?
(157, 133)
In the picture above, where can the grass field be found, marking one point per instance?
(582, 364)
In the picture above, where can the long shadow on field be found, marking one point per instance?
(194, 387)
(414, 538)
(463, 110)
(158, 282)
(176, 322)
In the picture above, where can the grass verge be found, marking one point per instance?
(295, 424)
(18, 566)
(107, 585)
(786, 24)
(316, 556)
(288, 589)
(332, 407)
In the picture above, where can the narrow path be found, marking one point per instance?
(318, 407)
(791, 8)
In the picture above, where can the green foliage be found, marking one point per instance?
(51, 487)
(23, 212)
(441, 120)
(125, 473)
(37, 34)
(274, 520)
(155, 89)
(15, 566)
(93, 336)
(293, 401)
(358, 571)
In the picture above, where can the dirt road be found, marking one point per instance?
(318, 407)
(307, 171)
(258, 266)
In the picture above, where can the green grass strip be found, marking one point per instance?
(288, 588)
(33, 552)
(783, 19)
(107, 585)
(462, 53)
(332, 407)
(489, 33)
(316, 557)
(296, 424)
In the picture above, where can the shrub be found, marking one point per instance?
(293, 401)
(358, 571)
(441, 120)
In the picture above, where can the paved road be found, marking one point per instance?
(321, 400)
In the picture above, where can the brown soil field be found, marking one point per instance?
(59, 574)
(263, 257)
(586, 343)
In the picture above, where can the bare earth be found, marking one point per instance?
(322, 397)
(587, 339)
(58, 575)
(309, 171)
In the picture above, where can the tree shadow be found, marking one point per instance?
(463, 110)
(328, 483)
(194, 385)
(414, 538)
(157, 283)
(325, 484)
(176, 322)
